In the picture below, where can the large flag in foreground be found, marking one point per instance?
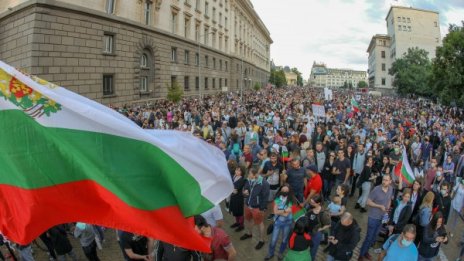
(65, 158)
(403, 170)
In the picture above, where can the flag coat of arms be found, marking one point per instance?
(65, 158)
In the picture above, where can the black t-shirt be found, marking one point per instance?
(342, 165)
(138, 244)
(269, 167)
(168, 252)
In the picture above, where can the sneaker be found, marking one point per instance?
(259, 245)
(280, 257)
(357, 206)
(268, 257)
(240, 228)
(363, 210)
(245, 236)
(270, 217)
(235, 225)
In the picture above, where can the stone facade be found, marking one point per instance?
(322, 77)
(379, 62)
(88, 51)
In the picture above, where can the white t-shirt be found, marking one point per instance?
(213, 215)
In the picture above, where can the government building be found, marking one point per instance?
(322, 77)
(131, 51)
(406, 28)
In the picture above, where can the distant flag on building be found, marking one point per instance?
(403, 170)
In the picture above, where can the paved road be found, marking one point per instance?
(245, 249)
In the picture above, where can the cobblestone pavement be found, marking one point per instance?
(246, 250)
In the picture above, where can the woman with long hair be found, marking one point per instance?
(318, 221)
(432, 237)
(416, 197)
(283, 220)
(424, 215)
(329, 178)
(236, 202)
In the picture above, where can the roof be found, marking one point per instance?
(372, 42)
(408, 8)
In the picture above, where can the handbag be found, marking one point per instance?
(270, 228)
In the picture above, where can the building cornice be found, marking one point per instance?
(408, 8)
(248, 7)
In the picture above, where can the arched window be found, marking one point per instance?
(144, 61)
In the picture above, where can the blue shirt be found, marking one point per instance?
(395, 252)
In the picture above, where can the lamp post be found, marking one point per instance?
(241, 81)
(199, 63)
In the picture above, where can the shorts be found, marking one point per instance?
(255, 214)
(272, 194)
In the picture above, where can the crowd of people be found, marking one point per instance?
(304, 172)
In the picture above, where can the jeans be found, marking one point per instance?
(421, 258)
(373, 227)
(26, 253)
(327, 188)
(280, 227)
(90, 252)
(354, 180)
(316, 238)
(366, 188)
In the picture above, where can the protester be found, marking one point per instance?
(221, 246)
(236, 204)
(299, 242)
(433, 236)
(135, 246)
(318, 222)
(59, 238)
(86, 234)
(400, 247)
(346, 236)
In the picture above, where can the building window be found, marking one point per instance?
(186, 83)
(143, 61)
(108, 84)
(225, 82)
(197, 83)
(108, 40)
(437, 40)
(409, 20)
(173, 54)
(404, 20)
(220, 82)
(220, 18)
(174, 23)
(226, 44)
(220, 42)
(382, 54)
(214, 83)
(197, 32)
(435, 23)
(173, 80)
(383, 67)
(206, 61)
(226, 65)
(399, 27)
(187, 28)
(404, 28)
(206, 36)
(383, 81)
(220, 65)
(206, 83)
(214, 63)
(197, 59)
(186, 57)
(213, 38)
(206, 8)
(409, 28)
(214, 14)
(399, 19)
(225, 22)
(147, 12)
(143, 84)
(110, 6)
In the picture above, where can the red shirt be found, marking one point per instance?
(315, 183)
(220, 241)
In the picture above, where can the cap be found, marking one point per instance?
(312, 168)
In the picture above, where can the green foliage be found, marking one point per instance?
(299, 78)
(412, 73)
(350, 86)
(257, 87)
(345, 85)
(447, 77)
(278, 78)
(175, 92)
(362, 84)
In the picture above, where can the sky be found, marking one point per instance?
(336, 32)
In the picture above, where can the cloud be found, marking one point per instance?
(336, 32)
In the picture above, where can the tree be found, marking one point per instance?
(412, 73)
(299, 78)
(350, 86)
(362, 84)
(447, 77)
(175, 92)
(345, 85)
(278, 78)
(257, 87)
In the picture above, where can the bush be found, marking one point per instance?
(175, 92)
(257, 87)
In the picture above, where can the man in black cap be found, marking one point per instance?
(314, 185)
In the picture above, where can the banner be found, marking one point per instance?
(318, 110)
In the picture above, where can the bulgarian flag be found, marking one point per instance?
(285, 154)
(404, 171)
(65, 158)
(354, 105)
(297, 211)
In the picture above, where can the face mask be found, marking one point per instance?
(80, 225)
(438, 174)
(405, 242)
(443, 192)
(284, 194)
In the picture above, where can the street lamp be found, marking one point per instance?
(199, 63)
